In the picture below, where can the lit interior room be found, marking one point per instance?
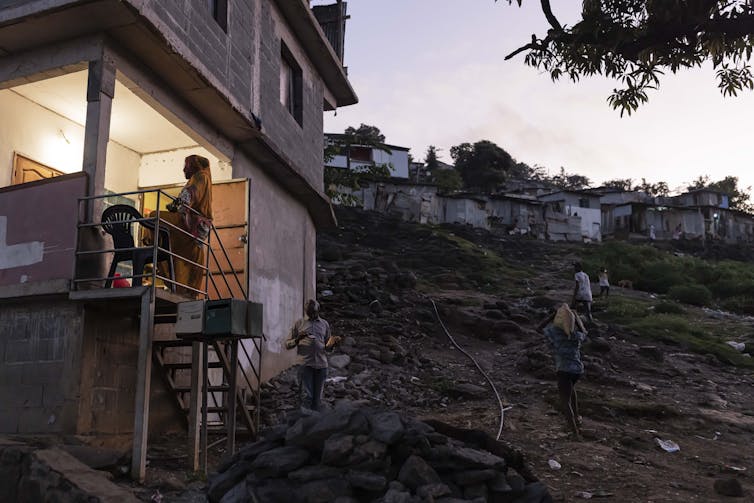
(42, 136)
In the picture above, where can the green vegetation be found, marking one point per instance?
(670, 323)
(728, 284)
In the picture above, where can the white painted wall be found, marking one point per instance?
(39, 134)
(55, 141)
(591, 221)
(165, 168)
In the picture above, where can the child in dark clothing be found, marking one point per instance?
(565, 333)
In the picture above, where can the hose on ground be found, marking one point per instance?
(487, 377)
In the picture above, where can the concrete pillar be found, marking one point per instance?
(99, 99)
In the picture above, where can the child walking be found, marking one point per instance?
(604, 283)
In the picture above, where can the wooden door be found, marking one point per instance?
(230, 209)
(29, 170)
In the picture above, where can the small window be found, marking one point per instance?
(363, 154)
(219, 11)
(584, 202)
(291, 85)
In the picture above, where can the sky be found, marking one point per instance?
(432, 72)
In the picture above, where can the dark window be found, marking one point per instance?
(584, 202)
(219, 11)
(291, 85)
(363, 154)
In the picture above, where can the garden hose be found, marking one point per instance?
(492, 385)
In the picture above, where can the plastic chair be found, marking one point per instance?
(118, 221)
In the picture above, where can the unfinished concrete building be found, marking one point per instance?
(105, 98)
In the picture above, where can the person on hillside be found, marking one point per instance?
(582, 291)
(604, 283)
(312, 336)
(565, 333)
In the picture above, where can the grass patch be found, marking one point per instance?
(477, 264)
(666, 307)
(623, 309)
(726, 283)
(691, 335)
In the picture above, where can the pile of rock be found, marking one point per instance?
(352, 454)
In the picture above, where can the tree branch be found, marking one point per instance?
(550, 16)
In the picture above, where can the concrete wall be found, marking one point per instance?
(110, 346)
(591, 221)
(303, 144)
(465, 211)
(224, 59)
(282, 241)
(38, 240)
(39, 366)
(165, 168)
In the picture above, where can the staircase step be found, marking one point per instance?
(187, 366)
(171, 344)
(212, 389)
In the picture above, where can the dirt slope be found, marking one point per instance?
(375, 278)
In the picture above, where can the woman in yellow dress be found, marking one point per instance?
(196, 195)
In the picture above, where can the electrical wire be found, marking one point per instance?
(492, 385)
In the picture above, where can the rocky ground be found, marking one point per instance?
(376, 277)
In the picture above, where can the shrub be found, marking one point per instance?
(697, 295)
(739, 304)
(666, 307)
(660, 277)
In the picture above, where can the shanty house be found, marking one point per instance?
(105, 98)
(562, 208)
(361, 156)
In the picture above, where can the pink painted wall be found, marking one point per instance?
(38, 229)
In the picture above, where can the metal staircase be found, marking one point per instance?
(172, 360)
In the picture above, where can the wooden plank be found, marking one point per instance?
(194, 436)
(233, 380)
(143, 385)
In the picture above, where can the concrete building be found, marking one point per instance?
(365, 155)
(107, 97)
(564, 205)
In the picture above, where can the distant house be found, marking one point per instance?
(365, 155)
(517, 214)
(465, 208)
(637, 218)
(413, 202)
(576, 203)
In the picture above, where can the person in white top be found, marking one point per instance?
(604, 283)
(582, 291)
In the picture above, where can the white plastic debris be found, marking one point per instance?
(554, 464)
(667, 445)
(336, 379)
(584, 495)
(326, 293)
(738, 346)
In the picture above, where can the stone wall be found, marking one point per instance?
(30, 475)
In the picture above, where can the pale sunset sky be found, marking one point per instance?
(432, 72)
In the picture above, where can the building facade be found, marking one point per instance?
(106, 97)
